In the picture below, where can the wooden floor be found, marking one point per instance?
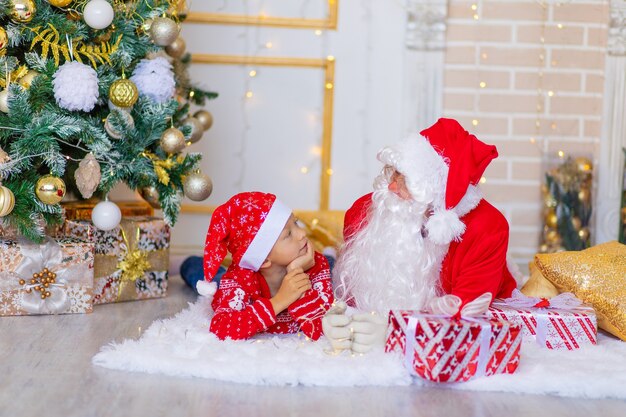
(46, 371)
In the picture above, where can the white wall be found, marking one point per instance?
(263, 142)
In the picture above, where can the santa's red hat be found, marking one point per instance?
(247, 226)
(442, 168)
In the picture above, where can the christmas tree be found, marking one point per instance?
(94, 93)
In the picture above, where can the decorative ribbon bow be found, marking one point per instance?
(449, 307)
(566, 301)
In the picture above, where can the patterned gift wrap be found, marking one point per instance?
(445, 349)
(550, 323)
(131, 260)
(55, 277)
(81, 210)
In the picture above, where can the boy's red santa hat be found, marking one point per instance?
(442, 168)
(247, 226)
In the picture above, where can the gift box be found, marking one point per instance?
(54, 277)
(446, 349)
(561, 322)
(81, 210)
(131, 261)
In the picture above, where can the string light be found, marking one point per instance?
(318, 32)
(475, 122)
(252, 73)
(304, 170)
(483, 180)
(483, 84)
(329, 86)
(269, 45)
(249, 94)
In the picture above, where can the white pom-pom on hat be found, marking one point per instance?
(205, 288)
(444, 226)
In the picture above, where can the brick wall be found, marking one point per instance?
(530, 97)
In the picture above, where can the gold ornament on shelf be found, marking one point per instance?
(197, 129)
(205, 117)
(60, 3)
(172, 140)
(163, 31)
(50, 189)
(584, 164)
(123, 93)
(583, 233)
(583, 195)
(7, 201)
(198, 186)
(23, 11)
(4, 41)
(88, 175)
(151, 195)
(177, 48)
(576, 223)
(27, 80)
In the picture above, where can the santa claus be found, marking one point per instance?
(425, 239)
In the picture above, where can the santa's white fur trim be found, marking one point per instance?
(444, 226)
(206, 288)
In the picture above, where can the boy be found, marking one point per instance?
(265, 288)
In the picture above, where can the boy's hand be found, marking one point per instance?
(305, 261)
(295, 283)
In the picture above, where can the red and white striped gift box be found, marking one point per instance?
(557, 323)
(446, 349)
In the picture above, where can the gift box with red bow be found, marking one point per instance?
(561, 322)
(453, 349)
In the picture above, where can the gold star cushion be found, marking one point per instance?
(597, 276)
(537, 285)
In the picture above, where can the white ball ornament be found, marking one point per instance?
(106, 215)
(76, 86)
(4, 101)
(98, 14)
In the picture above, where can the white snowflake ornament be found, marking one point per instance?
(154, 79)
(76, 86)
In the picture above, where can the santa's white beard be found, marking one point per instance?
(388, 264)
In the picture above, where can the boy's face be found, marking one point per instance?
(291, 244)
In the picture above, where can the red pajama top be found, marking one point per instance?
(243, 309)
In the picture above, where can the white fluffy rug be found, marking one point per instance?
(182, 346)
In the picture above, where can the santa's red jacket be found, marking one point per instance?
(243, 309)
(474, 265)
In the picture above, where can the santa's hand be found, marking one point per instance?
(336, 327)
(369, 331)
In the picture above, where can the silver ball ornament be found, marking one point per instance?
(163, 31)
(198, 186)
(205, 118)
(197, 129)
(112, 131)
(172, 140)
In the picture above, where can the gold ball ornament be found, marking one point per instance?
(177, 48)
(205, 118)
(576, 223)
(50, 189)
(123, 93)
(27, 80)
(198, 186)
(4, 39)
(197, 129)
(151, 195)
(172, 140)
(164, 31)
(552, 237)
(7, 201)
(583, 233)
(4, 101)
(583, 195)
(60, 3)
(23, 11)
(551, 219)
(584, 164)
